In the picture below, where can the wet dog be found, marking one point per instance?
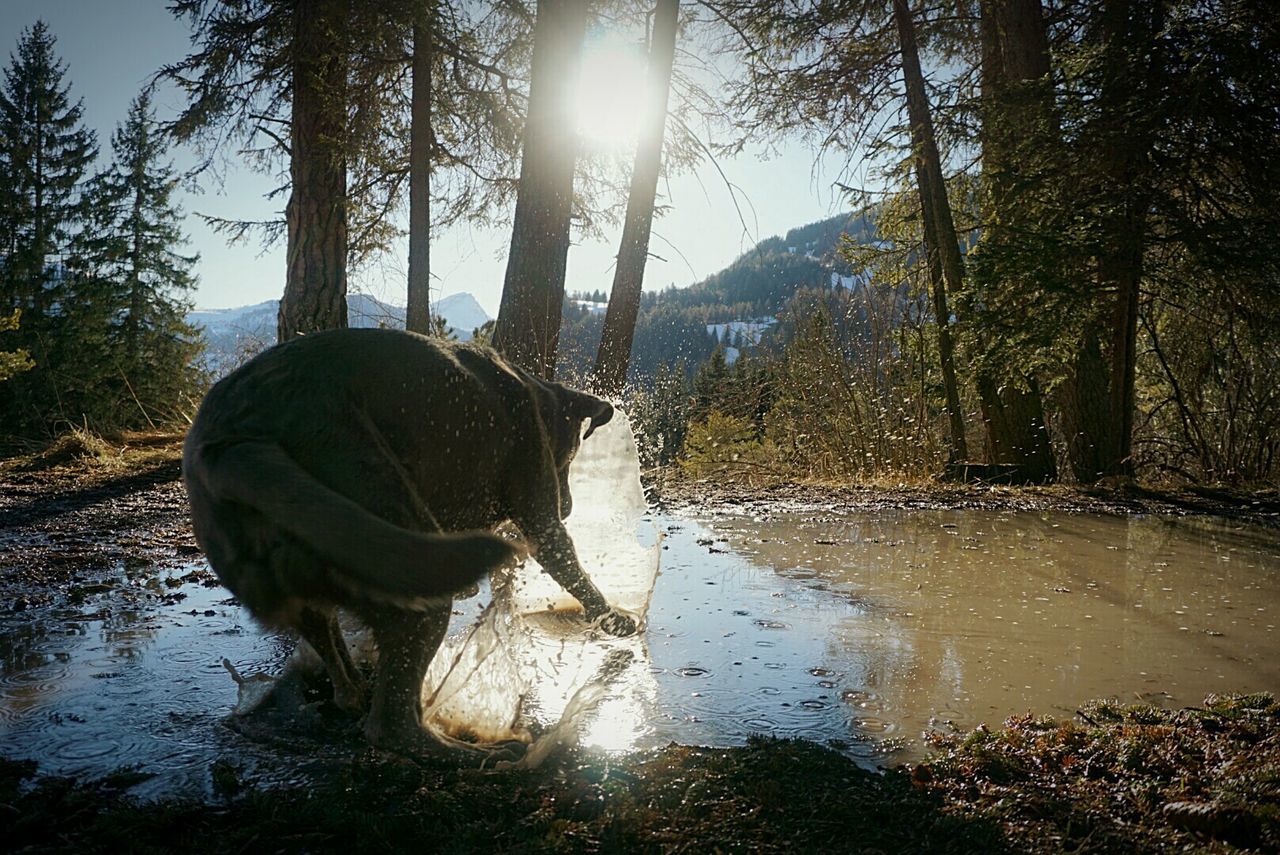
(367, 469)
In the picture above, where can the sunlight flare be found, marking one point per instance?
(612, 97)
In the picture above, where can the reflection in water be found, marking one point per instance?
(859, 630)
(132, 677)
(934, 619)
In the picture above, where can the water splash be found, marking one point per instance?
(530, 667)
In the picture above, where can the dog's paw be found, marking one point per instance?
(617, 624)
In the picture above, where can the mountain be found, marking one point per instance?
(763, 279)
(739, 308)
(233, 335)
(462, 313)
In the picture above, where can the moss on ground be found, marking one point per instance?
(1123, 778)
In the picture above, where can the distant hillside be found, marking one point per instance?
(763, 279)
(233, 335)
(736, 308)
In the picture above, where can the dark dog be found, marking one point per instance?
(367, 469)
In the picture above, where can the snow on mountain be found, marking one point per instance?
(850, 283)
(752, 332)
(595, 308)
(241, 316)
(233, 335)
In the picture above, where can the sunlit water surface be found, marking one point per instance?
(862, 631)
(868, 630)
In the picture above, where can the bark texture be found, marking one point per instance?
(316, 276)
(418, 311)
(946, 267)
(1126, 26)
(1014, 53)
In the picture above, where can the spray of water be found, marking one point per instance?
(530, 668)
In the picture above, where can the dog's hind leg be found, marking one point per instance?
(407, 642)
(320, 629)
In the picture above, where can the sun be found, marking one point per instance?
(612, 95)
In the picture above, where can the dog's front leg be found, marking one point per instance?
(555, 552)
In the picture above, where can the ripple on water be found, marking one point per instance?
(185, 655)
(118, 688)
(123, 686)
(872, 725)
(21, 692)
(63, 748)
(862, 699)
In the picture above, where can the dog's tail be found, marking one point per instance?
(384, 559)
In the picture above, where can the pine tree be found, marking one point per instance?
(45, 152)
(13, 362)
(614, 354)
(134, 256)
(240, 79)
(709, 385)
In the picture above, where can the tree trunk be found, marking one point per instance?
(1129, 28)
(1083, 399)
(946, 267)
(38, 269)
(1123, 273)
(418, 311)
(315, 289)
(614, 353)
(528, 326)
(1014, 50)
(133, 323)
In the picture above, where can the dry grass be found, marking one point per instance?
(82, 452)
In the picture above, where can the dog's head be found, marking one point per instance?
(566, 434)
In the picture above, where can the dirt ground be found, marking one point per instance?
(71, 517)
(1114, 779)
(673, 492)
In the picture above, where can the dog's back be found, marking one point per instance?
(306, 470)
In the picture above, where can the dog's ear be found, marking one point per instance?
(580, 405)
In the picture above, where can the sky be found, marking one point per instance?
(112, 47)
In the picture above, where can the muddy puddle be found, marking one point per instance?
(862, 631)
(867, 630)
(130, 674)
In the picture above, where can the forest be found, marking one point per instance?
(1065, 276)
(959, 505)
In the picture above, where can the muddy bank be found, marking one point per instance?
(1122, 778)
(68, 524)
(1135, 779)
(771, 796)
(671, 490)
